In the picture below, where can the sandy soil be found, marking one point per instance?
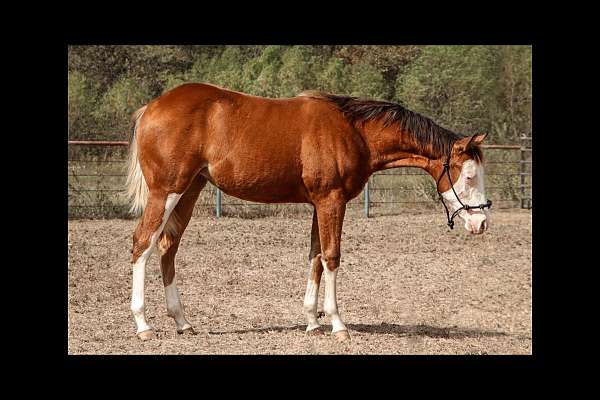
(407, 285)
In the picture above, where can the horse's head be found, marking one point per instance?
(465, 170)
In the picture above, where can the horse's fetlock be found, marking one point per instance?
(171, 312)
(137, 308)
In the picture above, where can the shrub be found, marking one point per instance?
(119, 102)
(81, 101)
(366, 81)
(454, 85)
(297, 71)
(262, 72)
(334, 77)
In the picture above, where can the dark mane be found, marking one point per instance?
(428, 136)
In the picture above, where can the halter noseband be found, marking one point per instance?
(446, 171)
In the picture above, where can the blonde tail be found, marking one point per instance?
(137, 189)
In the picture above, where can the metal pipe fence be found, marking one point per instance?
(97, 172)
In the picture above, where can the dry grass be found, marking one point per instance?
(407, 285)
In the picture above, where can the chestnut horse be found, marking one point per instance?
(315, 148)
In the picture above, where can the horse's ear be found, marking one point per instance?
(466, 142)
(477, 139)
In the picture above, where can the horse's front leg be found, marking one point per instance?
(311, 298)
(330, 214)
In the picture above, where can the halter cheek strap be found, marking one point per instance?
(446, 171)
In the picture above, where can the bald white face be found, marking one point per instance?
(470, 189)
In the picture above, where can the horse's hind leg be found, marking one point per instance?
(156, 213)
(169, 244)
(314, 279)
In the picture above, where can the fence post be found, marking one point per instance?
(522, 173)
(218, 203)
(367, 198)
(525, 200)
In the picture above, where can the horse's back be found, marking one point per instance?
(252, 147)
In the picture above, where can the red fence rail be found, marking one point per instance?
(98, 142)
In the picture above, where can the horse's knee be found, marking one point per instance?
(330, 260)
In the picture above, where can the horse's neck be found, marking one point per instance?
(389, 149)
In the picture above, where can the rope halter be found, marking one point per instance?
(446, 171)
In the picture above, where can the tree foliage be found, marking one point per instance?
(465, 88)
(455, 85)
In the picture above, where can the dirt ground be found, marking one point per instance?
(407, 285)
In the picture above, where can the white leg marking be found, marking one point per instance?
(174, 306)
(330, 303)
(138, 307)
(137, 298)
(311, 299)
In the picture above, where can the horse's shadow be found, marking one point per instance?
(386, 329)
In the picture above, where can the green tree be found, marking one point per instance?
(263, 72)
(81, 101)
(297, 72)
(334, 77)
(224, 70)
(366, 81)
(457, 86)
(465, 88)
(119, 102)
(514, 120)
(388, 60)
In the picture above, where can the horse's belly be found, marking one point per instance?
(264, 185)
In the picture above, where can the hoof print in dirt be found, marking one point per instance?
(342, 336)
(187, 331)
(316, 332)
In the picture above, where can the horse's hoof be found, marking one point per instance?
(342, 336)
(146, 335)
(187, 331)
(318, 331)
